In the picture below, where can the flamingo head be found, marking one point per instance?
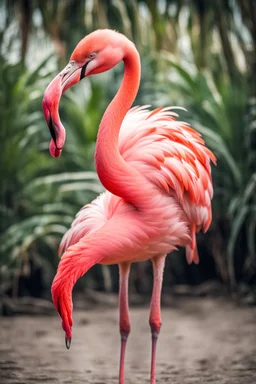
(98, 52)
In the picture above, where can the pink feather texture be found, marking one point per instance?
(173, 157)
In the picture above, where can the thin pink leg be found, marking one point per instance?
(124, 317)
(155, 321)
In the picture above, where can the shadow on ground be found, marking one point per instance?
(201, 341)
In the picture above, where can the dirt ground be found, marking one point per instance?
(201, 341)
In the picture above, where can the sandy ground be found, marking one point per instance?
(201, 341)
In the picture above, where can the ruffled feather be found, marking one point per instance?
(171, 155)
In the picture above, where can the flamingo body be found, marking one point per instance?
(173, 157)
(157, 175)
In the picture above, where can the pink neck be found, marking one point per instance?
(116, 175)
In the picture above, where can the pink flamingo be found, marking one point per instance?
(156, 171)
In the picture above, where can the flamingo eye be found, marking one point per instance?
(91, 55)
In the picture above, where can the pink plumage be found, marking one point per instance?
(156, 144)
(157, 175)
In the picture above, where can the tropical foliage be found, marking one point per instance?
(197, 54)
(39, 197)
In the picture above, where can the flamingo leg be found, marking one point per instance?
(155, 321)
(124, 317)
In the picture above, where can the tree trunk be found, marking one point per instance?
(25, 15)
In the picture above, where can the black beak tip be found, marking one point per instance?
(52, 130)
(67, 342)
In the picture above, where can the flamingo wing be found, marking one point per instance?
(93, 216)
(173, 156)
(88, 219)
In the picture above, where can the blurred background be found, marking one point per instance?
(197, 54)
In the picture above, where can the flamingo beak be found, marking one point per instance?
(66, 326)
(69, 76)
(68, 342)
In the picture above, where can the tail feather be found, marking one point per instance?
(191, 250)
(192, 255)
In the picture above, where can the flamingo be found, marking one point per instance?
(157, 176)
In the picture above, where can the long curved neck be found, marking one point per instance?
(116, 175)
